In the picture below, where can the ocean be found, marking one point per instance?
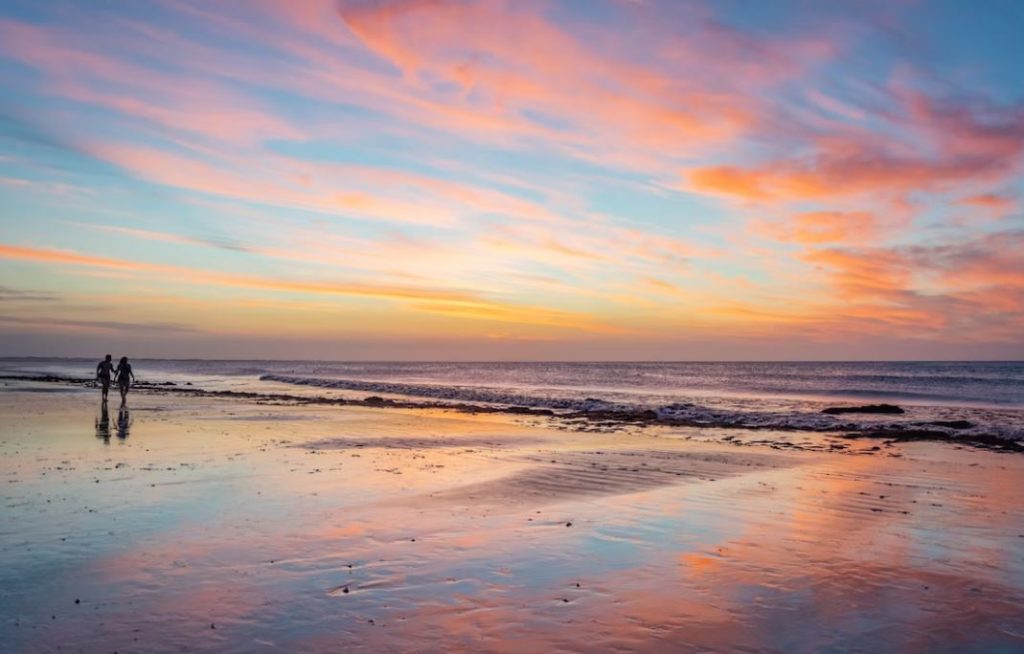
(787, 395)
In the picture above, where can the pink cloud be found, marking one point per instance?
(322, 189)
(171, 100)
(964, 144)
(584, 92)
(1000, 204)
(971, 290)
(517, 64)
(813, 227)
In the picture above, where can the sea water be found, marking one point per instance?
(787, 395)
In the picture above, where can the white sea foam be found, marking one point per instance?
(804, 415)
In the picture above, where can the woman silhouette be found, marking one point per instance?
(124, 372)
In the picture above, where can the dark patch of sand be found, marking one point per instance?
(410, 443)
(568, 474)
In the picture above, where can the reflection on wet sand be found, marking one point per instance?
(124, 421)
(387, 531)
(103, 423)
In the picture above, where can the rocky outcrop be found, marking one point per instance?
(867, 408)
(953, 424)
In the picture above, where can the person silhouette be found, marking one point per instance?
(104, 369)
(124, 371)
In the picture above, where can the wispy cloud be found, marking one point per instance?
(8, 294)
(49, 323)
(168, 237)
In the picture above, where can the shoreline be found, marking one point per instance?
(609, 419)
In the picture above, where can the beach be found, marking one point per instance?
(494, 326)
(198, 523)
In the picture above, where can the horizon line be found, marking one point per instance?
(522, 361)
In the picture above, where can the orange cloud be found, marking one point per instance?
(659, 285)
(732, 181)
(997, 203)
(814, 227)
(968, 144)
(856, 275)
(967, 291)
(841, 173)
(66, 258)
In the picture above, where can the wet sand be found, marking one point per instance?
(210, 524)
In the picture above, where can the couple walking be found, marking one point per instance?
(123, 375)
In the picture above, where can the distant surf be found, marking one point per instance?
(807, 415)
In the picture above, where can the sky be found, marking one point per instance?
(512, 179)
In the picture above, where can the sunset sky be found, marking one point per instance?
(430, 179)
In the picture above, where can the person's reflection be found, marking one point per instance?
(103, 423)
(124, 422)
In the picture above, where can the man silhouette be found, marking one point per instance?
(104, 369)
